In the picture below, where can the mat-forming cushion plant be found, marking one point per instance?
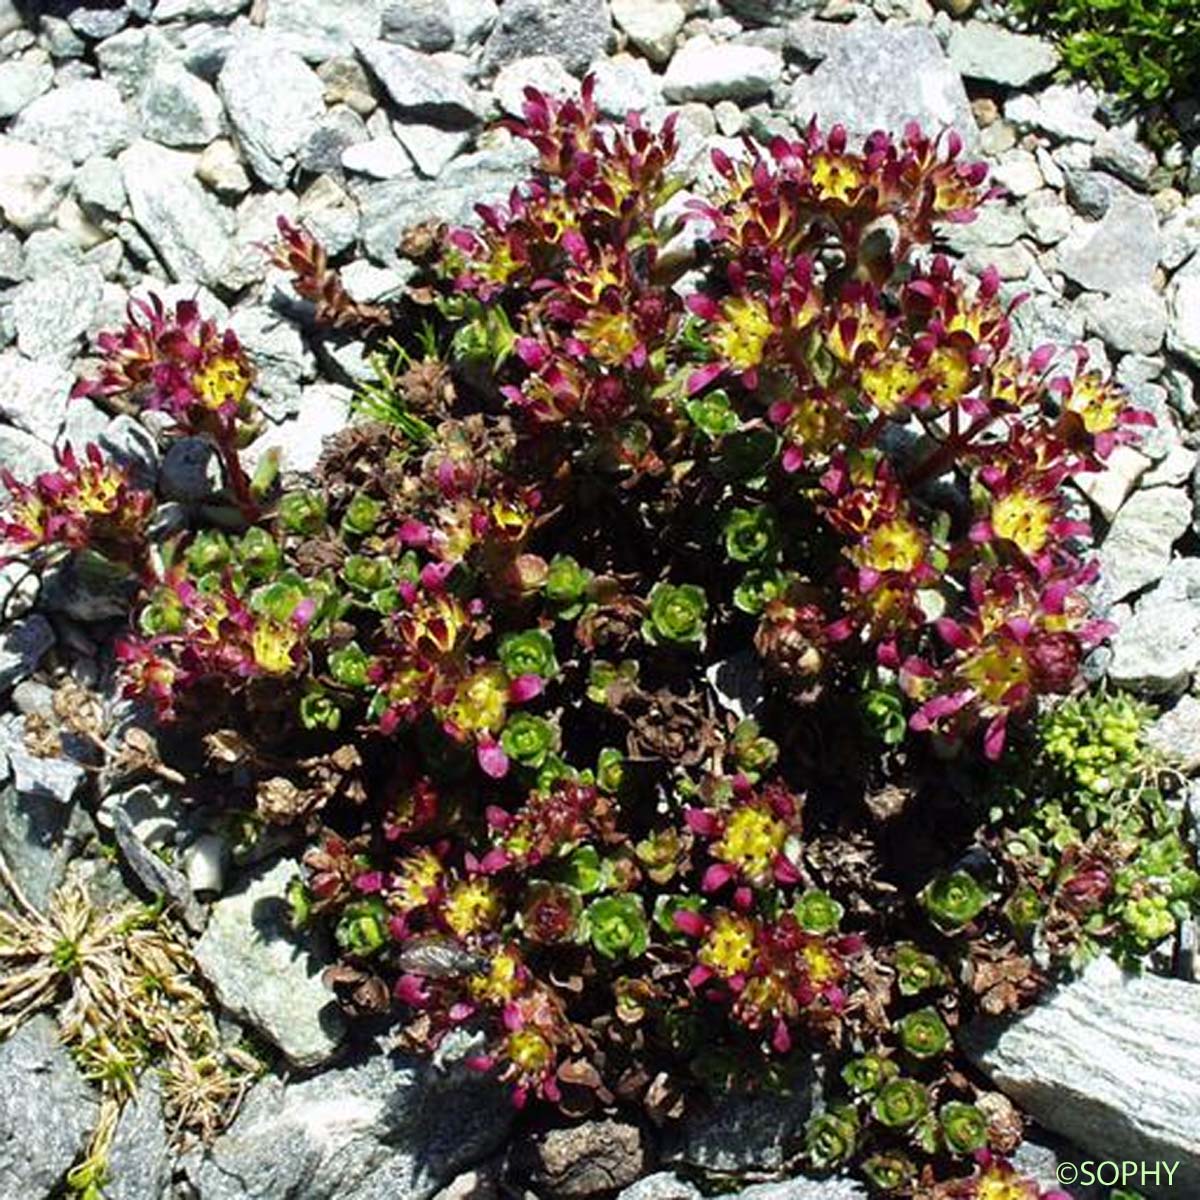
(645, 667)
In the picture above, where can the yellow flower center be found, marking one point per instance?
(821, 964)
(1098, 404)
(272, 645)
(742, 337)
(896, 545)
(419, 875)
(995, 670)
(1024, 519)
(222, 383)
(752, 839)
(889, 384)
(997, 1187)
(765, 995)
(611, 337)
(951, 374)
(529, 1051)
(729, 945)
(480, 701)
(501, 983)
(835, 177)
(815, 424)
(472, 906)
(98, 491)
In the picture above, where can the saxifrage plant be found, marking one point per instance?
(626, 444)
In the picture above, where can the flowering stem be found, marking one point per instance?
(239, 481)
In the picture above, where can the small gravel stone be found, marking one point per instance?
(472, 20)
(1119, 252)
(1130, 319)
(34, 394)
(1126, 157)
(273, 100)
(429, 147)
(418, 24)
(22, 644)
(881, 77)
(1183, 332)
(53, 313)
(77, 120)
(186, 226)
(99, 187)
(47, 1110)
(992, 54)
(1064, 111)
(422, 88)
(1138, 546)
(32, 182)
(220, 167)
(177, 109)
(544, 72)
(702, 69)
(318, 30)
(652, 26)
(262, 974)
(380, 158)
(21, 82)
(576, 33)
(1176, 734)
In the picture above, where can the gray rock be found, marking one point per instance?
(772, 12)
(22, 644)
(543, 72)
(156, 875)
(318, 30)
(191, 471)
(583, 1160)
(994, 225)
(1181, 235)
(340, 128)
(153, 812)
(651, 25)
(280, 356)
(1119, 252)
(127, 58)
(56, 779)
(739, 1133)
(21, 82)
(187, 227)
(378, 158)
(24, 455)
(46, 1110)
(1064, 111)
(882, 76)
(78, 120)
(53, 313)
(472, 21)
(250, 955)
(273, 100)
(177, 109)
(59, 40)
(1018, 173)
(332, 214)
(1110, 488)
(140, 1162)
(97, 23)
(663, 1185)
(1183, 330)
(1137, 548)
(99, 187)
(324, 409)
(419, 24)
(422, 88)
(1156, 650)
(1126, 157)
(170, 10)
(34, 395)
(381, 1130)
(1121, 1088)
(1176, 734)
(1132, 320)
(993, 54)
(32, 182)
(10, 19)
(702, 69)
(1091, 193)
(40, 838)
(390, 208)
(802, 1189)
(625, 84)
(220, 167)
(576, 33)
(429, 147)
